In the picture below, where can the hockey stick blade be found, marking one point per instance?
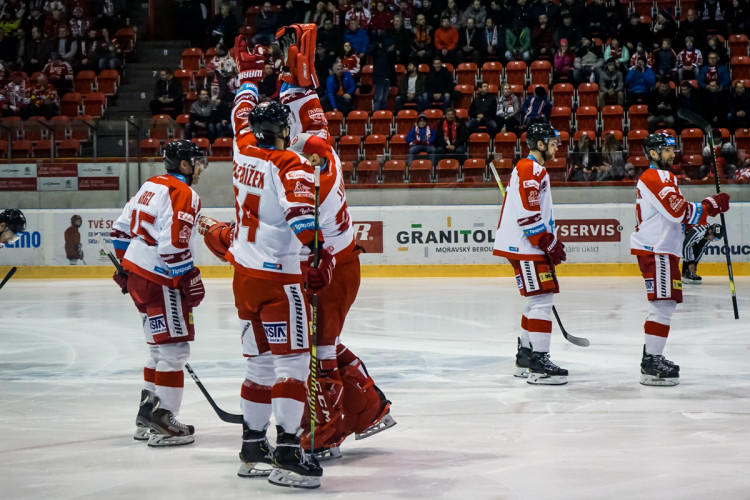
(694, 118)
(8, 276)
(231, 418)
(579, 341)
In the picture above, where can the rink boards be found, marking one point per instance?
(399, 241)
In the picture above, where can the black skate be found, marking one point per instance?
(166, 430)
(383, 421)
(291, 466)
(691, 278)
(542, 371)
(143, 420)
(256, 454)
(657, 370)
(522, 361)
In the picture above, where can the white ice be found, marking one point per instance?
(71, 357)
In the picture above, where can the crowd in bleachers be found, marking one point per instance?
(603, 72)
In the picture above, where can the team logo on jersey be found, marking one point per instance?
(273, 266)
(184, 234)
(298, 174)
(513, 249)
(303, 191)
(665, 191)
(534, 198)
(531, 183)
(184, 216)
(275, 332)
(649, 285)
(157, 324)
(675, 202)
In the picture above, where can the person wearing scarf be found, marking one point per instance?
(451, 137)
(421, 139)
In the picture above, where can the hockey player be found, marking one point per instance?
(526, 237)
(696, 240)
(348, 400)
(274, 191)
(250, 60)
(12, 224)
(155, 240)
(661, 214)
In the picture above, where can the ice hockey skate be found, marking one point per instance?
(522, 361)
(143, 420)
(383, 421)
(291, 467)
(657, 370)
(328, 453)
(256, 454)
(691, 278)
(166, 430)
(542, 371)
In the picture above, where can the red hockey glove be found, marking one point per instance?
(716, 204)
(216, 235)
(122, 281)
(249, 59)
(319, 278)
(191, 287)
(553, 247)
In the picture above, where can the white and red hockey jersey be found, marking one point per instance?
(275, 204)
(334, 218)
(154, 235)
(527, 213)
(661, 212)
(245, 100)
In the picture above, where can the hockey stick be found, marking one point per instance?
(579, 341)
(8, 276)
(232, 418)
(700, 122)
(314, 319)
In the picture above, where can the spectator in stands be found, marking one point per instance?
(37, 52)
(621, 53)
(549, 9)
(665, 60)
(474, 11)
(612, 159)
(611, 85)
(523, 13)
(66, 45)
(421, 139)
(737, 15)
(517, 41)
(664, 27)
(588, 62)
(640, 51)
(687, 98)
(483, 111)
(222, 117)
(639, 82)
(318, 15)
(715, 104)
(691, 26)
(290, 14)
(266, 23)
(508, 110)
(9, 21)
(568, 30)
(53, 22)
(20, 47)
(662, 106)
(221, 68)
(564, 63)
(714, 45)
(402, 40)
(383, 69)
(689, 60)
(330, 39)
(108, 15)
(43, 99)
(634, 32)
(201, 113)
(270, 86)
(382, 18)
(357, 37)
(14, 95)
(439, 85)
(339, 90)
(88, 47)
(421, 47)
(350, 61)
(35, 19)
(406, 11)
(431, 13)
(582, 162)
(7, 47)
(492, 40)
(411, 89)
(713, 70)
(726, 156)
(498, 11)
(543, 39)
(739, 106)
(469, 39)
(712, 13)
(602, 20)
(446, 41)
(167, 95)
(452, 13)
(193, 20)
(360, 13)
(223, 27)
(108, 54)
(59, 73)
(79, 24)
(536, 108)
(451, 136)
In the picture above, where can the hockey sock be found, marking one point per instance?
(255, 404)
(169, 387)
(525, 342)
(539, 321)
(149, 377)
(656, 327)
(288, 399)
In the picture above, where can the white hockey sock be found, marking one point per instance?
(288, 413)
(655, 345)
(539, 323)
(256, 415)
(540, 341)
(656, 328)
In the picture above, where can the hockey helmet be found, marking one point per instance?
(176, 151)
(268, 121)
(657, 142)
(14, 221)
(718, 231)
(540, 132)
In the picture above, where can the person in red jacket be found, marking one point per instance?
(446, 41)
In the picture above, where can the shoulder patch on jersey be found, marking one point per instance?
(184, 216)
(665, 191)
(531, 183)
(303, 191)
(298, 174)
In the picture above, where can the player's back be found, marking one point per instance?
(335, 220)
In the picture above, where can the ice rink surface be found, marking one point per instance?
(71, 357)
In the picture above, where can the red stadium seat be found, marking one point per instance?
(162, 128)
(364, 100)
(638, 117)
(365, 76)
(349, 146)
(740, 67)
(61, 125)
(587, 117)
(382, 122)
(192, 58)
(447, 170)
(368, 172)
(108, 82)
(222, 146)
(515, 73)
(420, 171)
(464, 95)
(185, 77)
(394, 172)
(562, 94)
(560, 117)
(84, 82)
(742, 140)
(181, 121)
(738, 43)
(479, 145)
(79, 128)
(71, 104)
(541, 73)
(433, 117)
(588, 94)
(190, 98)
(692, 141)
(580, 133)
(617, 133)
(640, 162)
(643, 7)
(492, 71)
(34, 128)
(613, 117)
(399, 147)
(406, 119)
(356, 123)
(562, 149)
(150, 147)
(503, 167)
(347, 169)
(202, 143)
(335, 121)
(69, 148)
(506, 145)
(466, 74)
(95, 104)
(462, 114)
(635, 141)
(375, 147)
(474, 170)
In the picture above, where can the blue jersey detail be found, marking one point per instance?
(178, 176)
(288, 86)
(120, 244)
(303, 225)
(534, 230)
(180, 270)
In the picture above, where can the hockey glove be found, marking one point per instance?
(319, 277)
(122, 281)
(191, 287)
(553, 247)
(249, 59)
(216, 235)
(716, 204)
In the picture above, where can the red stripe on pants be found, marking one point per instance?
(256, 393)
(291, 389)
(149, 374)
(539, 325)
(656, 329)
(524, 322)
(170, 379)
